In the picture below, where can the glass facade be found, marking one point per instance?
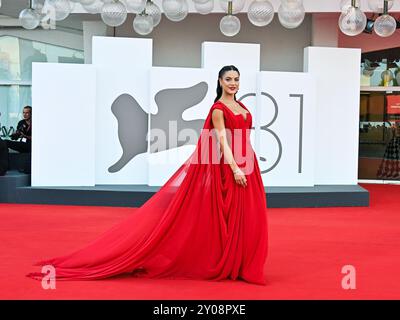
(380, 73)
(379, 149)
(16, 57)
(379, 143)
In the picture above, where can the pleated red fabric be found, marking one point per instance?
(201, 224)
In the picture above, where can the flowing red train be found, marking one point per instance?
(199, 225)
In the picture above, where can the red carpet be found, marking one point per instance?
(308, 248)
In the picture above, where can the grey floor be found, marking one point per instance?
(15, 188)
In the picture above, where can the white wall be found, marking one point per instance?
(63, 100)
(337, 75)
(123, 67)
(179, 44)
(285, 128)
(164, 163)
(325, 30)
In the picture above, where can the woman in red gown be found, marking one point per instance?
(208, 221)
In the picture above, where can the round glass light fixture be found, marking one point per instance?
(385, 25)
(29, 18)
(237, 5)
(62, 8)
(135, 6)
(114, 13)
(377, 5)
(291, 13)
(353, 21)
(143, 24)
(229, 25)
(172, 7)
(154, 12)
(180, 14)
(260, 12)
(204, 7)
(95, 7)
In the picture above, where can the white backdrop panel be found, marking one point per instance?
(215, 55)
(113, 51)
(164, 163)
(285, 128)
(337, 75)
(323, 146)
(123, 67)
(63, 101)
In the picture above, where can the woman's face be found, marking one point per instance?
(230, 82)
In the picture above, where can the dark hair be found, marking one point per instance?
(28, 107)
(220, 75)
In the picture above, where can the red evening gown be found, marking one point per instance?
(201, 224)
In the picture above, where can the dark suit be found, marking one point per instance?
(3, 157)
(21, 146)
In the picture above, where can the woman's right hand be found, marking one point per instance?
(240, 178)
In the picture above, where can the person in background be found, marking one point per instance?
(21, 139)
(390, 165)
